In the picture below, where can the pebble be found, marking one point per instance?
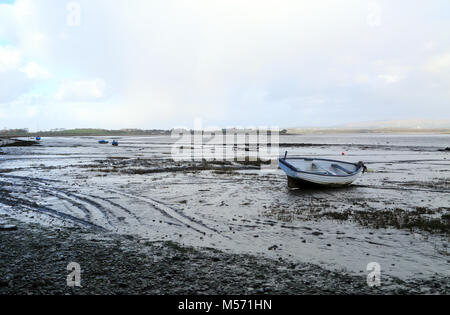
(8, 227)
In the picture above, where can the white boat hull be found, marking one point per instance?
(323, 179)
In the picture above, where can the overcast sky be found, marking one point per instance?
(160, 64)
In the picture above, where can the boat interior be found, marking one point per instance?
(323, 167)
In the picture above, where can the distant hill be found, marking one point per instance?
(389, 126)
(412, 125)
(82, 132)
(402, 124)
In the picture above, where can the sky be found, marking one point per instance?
(230, 63)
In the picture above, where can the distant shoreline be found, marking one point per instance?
(12, 142)
(297, 131)
(9, 134)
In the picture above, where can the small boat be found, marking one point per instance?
(302, 171)
(38, 138)
(103, 142)
(115, 143)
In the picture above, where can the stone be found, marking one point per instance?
(8, 227)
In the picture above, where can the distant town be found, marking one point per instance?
(59, 132)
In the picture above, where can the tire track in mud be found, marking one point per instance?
(33, 179)
(95, 205)
(115, 204)
(72, 202)
(54, 192)
(88, 208)
(171, 213)
(74, 198)
(77, 200)
(9, 200)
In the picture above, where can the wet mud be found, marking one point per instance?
(396, 215)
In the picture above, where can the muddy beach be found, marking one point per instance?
(75, 193)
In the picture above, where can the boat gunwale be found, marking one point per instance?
(283, 160)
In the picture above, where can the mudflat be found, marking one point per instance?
(75, 193)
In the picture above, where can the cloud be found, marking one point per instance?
(31, 111)
(162, 63)
(390, 78)
(10, 58)
(34, 71)
(439, 64)
(16, 76)
(13, 82)
(81, 91)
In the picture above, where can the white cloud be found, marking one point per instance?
(429, 45)
(390, 78)
(81, 91)
(23, 9)
(361, 78)
(16, 76)
(31, 111)
(166, 62)
(34, 71)
(439, 64)
(10, 58)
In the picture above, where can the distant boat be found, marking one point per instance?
(302, 171)
(115, 143)
(38, 138)
(103, 142)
